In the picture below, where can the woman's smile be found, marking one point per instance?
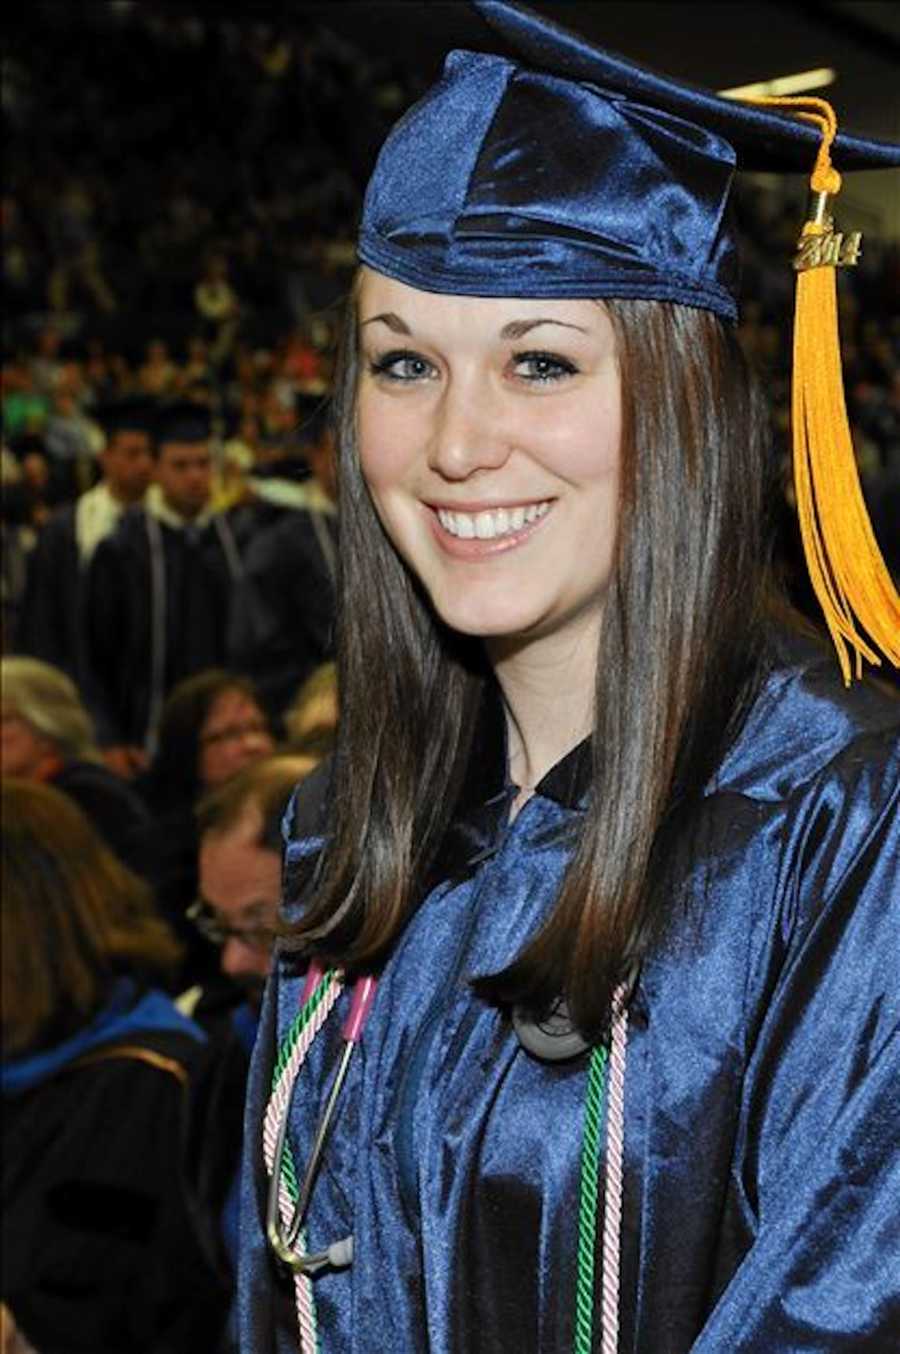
(473, 532)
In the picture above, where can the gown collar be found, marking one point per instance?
(482, 809)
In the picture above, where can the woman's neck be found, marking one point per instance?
(548, 690)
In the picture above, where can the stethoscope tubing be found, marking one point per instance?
(284, 1241)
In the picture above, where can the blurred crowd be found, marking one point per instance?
(172, 268)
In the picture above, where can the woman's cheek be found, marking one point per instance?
(386, 446)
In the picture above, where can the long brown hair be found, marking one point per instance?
(679, 651)
(73, 919)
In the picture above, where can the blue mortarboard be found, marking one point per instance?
(547, 167)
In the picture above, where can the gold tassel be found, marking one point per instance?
(846, 568)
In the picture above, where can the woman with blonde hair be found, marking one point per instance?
(47, 735)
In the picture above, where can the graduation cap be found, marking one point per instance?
(544, 166)
(127, 415)
(182, 421)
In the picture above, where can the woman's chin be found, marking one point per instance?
(496, 621)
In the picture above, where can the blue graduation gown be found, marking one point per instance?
(762, 1153)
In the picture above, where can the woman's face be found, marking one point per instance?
(23, 751)
(234, 733)
(489, 436)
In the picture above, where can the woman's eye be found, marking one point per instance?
(401, 366)
(540, 368)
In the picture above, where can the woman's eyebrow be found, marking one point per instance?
(517, 328)
(392, 321)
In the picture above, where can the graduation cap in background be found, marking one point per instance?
(182, 421)
(540, 166)
(127, 415)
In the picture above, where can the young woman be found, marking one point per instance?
(616, 846)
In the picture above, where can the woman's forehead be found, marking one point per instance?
(387, 302)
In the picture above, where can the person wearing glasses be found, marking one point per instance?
(240, 867)
(212, 726)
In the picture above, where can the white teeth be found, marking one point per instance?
(488, 525)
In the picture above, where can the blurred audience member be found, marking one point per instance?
(240, 826)
(45, 366)
(34, 464)
(230, 484)
(103, 1247)
(20, 273)
(237, 908)
(46, 735)
(217, 305)
(157, 377)
(282, 623)
(193, 378)
(17, 539)
(71, 440)
(158, 591)
(212, 726)
(25, 408)
(53, 621)
(77, 274)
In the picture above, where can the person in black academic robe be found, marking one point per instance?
(282, 622)
(99, 1233)
(50, 626)
(52, 623)
(113, 806)
(158, 591)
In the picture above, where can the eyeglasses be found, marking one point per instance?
(210, 925)
(233, 732)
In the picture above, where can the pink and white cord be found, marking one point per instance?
(278, 1106)
(615, 1149)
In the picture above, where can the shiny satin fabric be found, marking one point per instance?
(762, 1152)
(539, 186)
(765, 139)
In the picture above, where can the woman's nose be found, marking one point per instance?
(469, 432)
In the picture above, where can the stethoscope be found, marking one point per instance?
(551, 1039)
(283, 1237)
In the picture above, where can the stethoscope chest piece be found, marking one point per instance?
(553, 1038)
